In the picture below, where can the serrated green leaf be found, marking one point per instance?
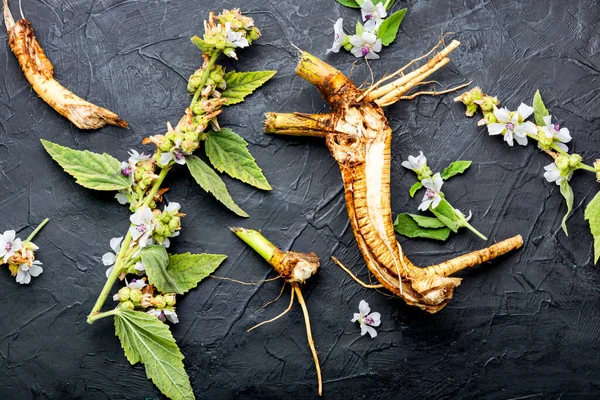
(90, 170)
(146, 339)
(228, 152)
(349, 3)
(414, 188)
(567, 192)
(178, 273)
(457, 167)
(407, 226)
(592, 215)
(427, 222)
(389, 27)
(360, 29)
(445, 213)
(241, 84)
(208, 180)
(539, 109)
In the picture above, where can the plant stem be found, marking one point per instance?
(472, 229)
(258, 242)
(211, 62)
(37, 230)
(156, 186)
(92, 318)
(587, 168)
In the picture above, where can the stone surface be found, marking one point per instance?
(525, 326)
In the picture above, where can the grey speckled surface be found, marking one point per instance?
(526, 326)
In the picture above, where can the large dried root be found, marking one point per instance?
(359, 138)
(39, 72)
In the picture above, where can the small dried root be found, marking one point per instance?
(294, 268)
(365, 285)
(359, 138)
(40, 73)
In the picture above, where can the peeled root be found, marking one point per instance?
(40, 73)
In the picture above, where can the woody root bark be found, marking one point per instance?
(358, 136)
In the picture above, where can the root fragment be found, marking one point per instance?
(365, 285)
(277, 317)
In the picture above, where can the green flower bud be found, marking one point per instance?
(562, 162)
(166, 146)
(136, 296)
(159, 302)
(424, 173)
(574, 160)
(544, 142)
(253, 34)
(159, 229)
(490, 117)
(187, 146)
(124, 293)
(29, 246)
(193, 83)
(127, 304)
(597, 166)
(471, 110)
(170, 299)
(175, 224)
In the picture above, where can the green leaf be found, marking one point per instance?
(390, 4)
(427, 222)
(349, 3)
(445, 213)
(90, 170)
(567, 192)
(592, 214)
(208, 179)
(146, 339)
(202, 45)
(178, 273)
(414, 188)
(406, 225)
(241, 84)
(389, 27)
(228, 152)
(539, 109)
(360, 29)
(457, 167)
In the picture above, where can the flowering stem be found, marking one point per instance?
(37, 230)
(92, 318)
(156, 186)
(587, 167)
(211, 62)
(464, 223)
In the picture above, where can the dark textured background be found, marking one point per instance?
(525, 326)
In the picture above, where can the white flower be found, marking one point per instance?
(109, 259)
(415, 163)
(553, 174)
(554, 131)
(367, 319)
(366, 45)
(372, 14)
(26, 272)
(432, 195)
(173, 207)
(339, 37)
(234, 39)
(9, 245)
(142, 225)
(134, 157)
(122, 197)
(512, 125)
(175, 154)
(164, 314)
(136, 284)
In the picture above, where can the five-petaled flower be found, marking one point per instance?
(366, 45)
(165, 314)
(142, 226)
(372, 14)
(367, 319)
(26, 271)
(9, 245)
(415, 163)
(554, 131)
(513, 125)
(339, 37)
(432, 195)
(235, 39)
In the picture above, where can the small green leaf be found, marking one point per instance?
(539, 109)
(178, 273)
(592, 215)
(91, 170)
(427, 222)
(390, 4)
(349, 3)
(406, 225)
(208, 179)
(228, 152)
(414, 188)
(146, 339)
(457, 167)
(389, 27)
(202, 45)
(445, 213)
(567, 192)
(241, 84)
(360, 29)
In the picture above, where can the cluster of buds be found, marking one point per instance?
(19, 256)
(138, 295)
(474, 99)
(167, 224)
(226, 32)
(140, 168)
(562, 168)
(215, 80)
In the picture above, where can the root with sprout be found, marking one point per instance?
(40, 73)
(359, 138)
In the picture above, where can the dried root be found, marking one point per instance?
(359, 138)
(40, 73)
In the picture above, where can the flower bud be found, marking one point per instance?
(127, 304)
(170, 299)
(159, 302)
(562, 162)
(574, 160)
(29, 246)
(188, 146)
(136, 296)
(124, 294)
(597, 166)
(175, 224)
